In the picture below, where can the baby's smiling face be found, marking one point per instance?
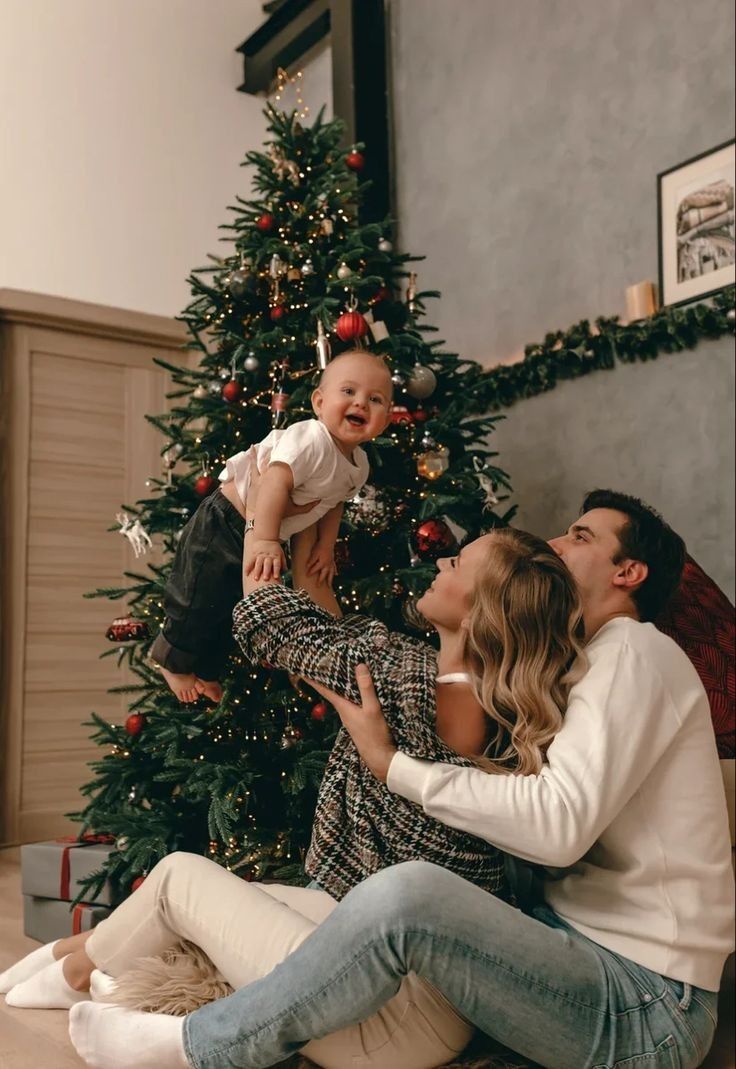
(354, 398)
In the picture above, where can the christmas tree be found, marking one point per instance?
(306, 279)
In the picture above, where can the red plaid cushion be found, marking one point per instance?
(701, 620)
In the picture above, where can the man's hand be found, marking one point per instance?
(364, 723)
(264, 559)
(321, 563)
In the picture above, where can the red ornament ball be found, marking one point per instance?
(137, 882)
(232, 391)
(433, 537)
(319, 711)
(383, 294)
(266, 222)
(351, 325)
(135, 724)
(277, 313)
(420, 415)
(204, 485)
(355, 161)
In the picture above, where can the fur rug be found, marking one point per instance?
(183, 978)
(179, 981)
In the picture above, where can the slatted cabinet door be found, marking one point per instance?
(76, 447)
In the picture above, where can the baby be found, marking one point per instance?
(304, 474)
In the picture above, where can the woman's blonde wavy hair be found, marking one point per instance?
(524, 631)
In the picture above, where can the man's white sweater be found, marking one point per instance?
(631, 805)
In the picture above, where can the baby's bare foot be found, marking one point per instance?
(210, 688)
(183, 686)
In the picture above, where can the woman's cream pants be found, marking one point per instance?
(247, 929)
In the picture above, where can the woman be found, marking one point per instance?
(508, 618)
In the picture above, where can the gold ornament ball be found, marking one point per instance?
(344, 271)
(200, 393)
(434, 463)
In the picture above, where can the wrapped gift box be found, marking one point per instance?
(48, 919)
(56, 869)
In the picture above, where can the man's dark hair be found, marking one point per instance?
(644, 537)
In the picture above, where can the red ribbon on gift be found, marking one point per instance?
(77, 915)
(74, 842)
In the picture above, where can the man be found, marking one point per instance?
(621, 963)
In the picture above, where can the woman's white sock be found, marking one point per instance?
(46, 990)
(32, 963)
(112, 1037)
(101, 986)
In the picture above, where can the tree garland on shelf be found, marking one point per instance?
(582, 349)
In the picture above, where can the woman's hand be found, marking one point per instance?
(364, 723)
(264, 559)
(321, 563)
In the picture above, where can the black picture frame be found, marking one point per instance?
(674, 290)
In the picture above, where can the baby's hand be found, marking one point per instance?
(321, 563)
(264, 559)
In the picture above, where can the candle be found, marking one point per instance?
(641, 301)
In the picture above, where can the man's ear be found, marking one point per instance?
(317, 400)
(630, 574)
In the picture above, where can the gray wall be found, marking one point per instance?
(528, 139)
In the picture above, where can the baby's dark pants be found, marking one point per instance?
(205, 584)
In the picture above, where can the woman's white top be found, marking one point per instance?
(629, 810)
(321, 472)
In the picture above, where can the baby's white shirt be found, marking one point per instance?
(321, 472)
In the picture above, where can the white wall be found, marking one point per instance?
(121, 135)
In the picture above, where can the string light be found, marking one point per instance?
(283, 81)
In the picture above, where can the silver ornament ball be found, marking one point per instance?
(369, 510)
(421, 382)
(214, 388)
(240, 282)
(344, 271)
(200, 392)
(251, 362)
(307, 268)
(731, 315)
(384, 245)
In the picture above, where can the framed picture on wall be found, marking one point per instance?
(696, 226)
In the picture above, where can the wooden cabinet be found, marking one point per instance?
(77, 380)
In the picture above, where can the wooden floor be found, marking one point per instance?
(29, 1039)
(38, 1039)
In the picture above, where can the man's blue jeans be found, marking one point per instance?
(531, 982)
